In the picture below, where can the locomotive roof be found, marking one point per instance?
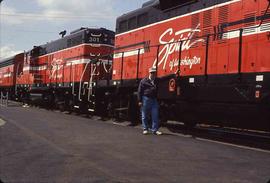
(7, 61)
(10, 60)
(76, 37)
(150, 3)
(159, 10)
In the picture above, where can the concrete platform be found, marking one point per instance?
(38, 146)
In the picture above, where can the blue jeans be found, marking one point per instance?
(150, 106)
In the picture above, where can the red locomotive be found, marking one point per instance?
(9, 69)
(62, 73)
(211, 56)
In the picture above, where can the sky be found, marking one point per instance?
(26, 23)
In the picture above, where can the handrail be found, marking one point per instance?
(122, 66)
(16, 87)
(179, 59)
(240, 51)
(157, 59)
(56, 76)
(80, 86)
(206, 55)
(138, 63)
(73, 79)
(63, 74)
(90, 87)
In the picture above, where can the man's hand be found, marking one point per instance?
(140, 104)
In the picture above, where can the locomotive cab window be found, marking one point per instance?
(132, 23)
(142, 19)
(123, 26)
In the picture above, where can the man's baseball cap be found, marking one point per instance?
(152, 69)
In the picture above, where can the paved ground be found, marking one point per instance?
(39, 146)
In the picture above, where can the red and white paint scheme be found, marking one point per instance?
(72, 65)
(211, 58)
(65, 70)
(191, 30)
(69, 65)
(9, 69)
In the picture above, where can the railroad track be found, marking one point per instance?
(250, 138)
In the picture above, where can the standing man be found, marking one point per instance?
(147, 96)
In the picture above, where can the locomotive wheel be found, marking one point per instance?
(50, 104)
(163, 115)
(56, 103)
(190, 121)
(61, 107)
(69, 106)
(110, 110)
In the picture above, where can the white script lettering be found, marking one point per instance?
(172, 45)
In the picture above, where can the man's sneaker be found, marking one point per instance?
(145, 132)
(157, 133)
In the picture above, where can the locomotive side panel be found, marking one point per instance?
(264, 39)
(221, 23)
(6, 74)
(9, 69)
(192, 30)
(219, 51)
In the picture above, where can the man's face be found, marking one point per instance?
(152, 75)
